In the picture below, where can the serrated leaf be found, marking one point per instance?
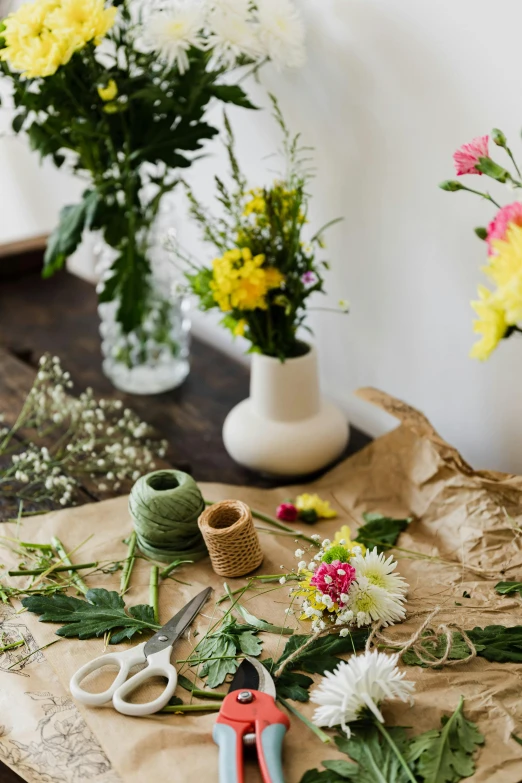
(323, 776)
(380, 531)
(101, 611)
(344, 769)
(448, 757)
(498, 643)
(231, 93)
(506, 588)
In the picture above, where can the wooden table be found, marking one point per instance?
(59, 316)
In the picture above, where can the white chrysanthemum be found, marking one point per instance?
(173, 31)
(232, 33)
(358, 684)
(370, 603)
(379, 571)
(281, 32)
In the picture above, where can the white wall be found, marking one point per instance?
(391, 88)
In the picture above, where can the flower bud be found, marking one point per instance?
(481, 232)
(498, 137)
(451, 185)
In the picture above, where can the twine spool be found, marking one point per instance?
(231, 538)
(165, 506)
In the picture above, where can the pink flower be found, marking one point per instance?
(467, 156)
(287, 512)
(309, 278)
(498, 227)
(334, 579)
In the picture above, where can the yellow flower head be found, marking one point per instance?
(109, 92)
(491, 323)
(239, 329)
(345, 534)
(322, 508)
(505, 270)
(308, 592)
(43, 35)
(240, 282)
(257, 203)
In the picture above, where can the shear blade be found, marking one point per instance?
(252, 676)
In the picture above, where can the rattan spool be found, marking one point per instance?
(231, 538)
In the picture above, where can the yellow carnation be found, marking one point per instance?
(109, 92)
(322, 508)
(505, 270)
(345, 534)
(491, 323)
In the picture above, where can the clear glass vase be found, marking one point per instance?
(155, 357)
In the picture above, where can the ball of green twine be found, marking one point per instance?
(165, 506)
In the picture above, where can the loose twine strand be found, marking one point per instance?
(419, 639)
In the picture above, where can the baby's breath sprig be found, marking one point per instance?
(98, 439)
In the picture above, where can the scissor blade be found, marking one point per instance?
(252, 675)
(172, 630)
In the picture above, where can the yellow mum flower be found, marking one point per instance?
(323, 509)
(491, 323)
(109, 92)
(505, 270)
(345, 534)
(85, 20)
(308, 592)
(240, 282)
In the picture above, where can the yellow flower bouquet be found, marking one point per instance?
(118, 90)
(266, 269)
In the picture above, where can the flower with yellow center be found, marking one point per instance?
(491, 323)
(240, 282)
(308, 502)
(109, 91)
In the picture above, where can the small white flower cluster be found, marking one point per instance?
(232, 30)
(360, 590)
(94, 438)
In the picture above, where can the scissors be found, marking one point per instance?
(156, 653)
(248, 717)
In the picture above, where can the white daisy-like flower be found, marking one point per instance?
(281, 32)
(172, 31)
(371, 603)
(379, 571)
(357, 685)
(232, 33)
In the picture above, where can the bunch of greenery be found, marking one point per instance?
(267, 270)
(91, 91)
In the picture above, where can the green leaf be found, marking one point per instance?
(231, 93)
(262, 625)
(517, 739)
(250, 644)
(344, 769)
(449, 756)
(376, 761)
(324, 776)
(18, 121)
(68, 233)
(321, 656)
(380, 531)
(101, 611)
(294, 685)
(497, 643)
(223, 662)
(481, 232)
(437, 649)
(505, 588)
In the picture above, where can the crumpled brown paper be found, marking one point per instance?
(467, 519)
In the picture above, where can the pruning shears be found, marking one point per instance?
(249, 717)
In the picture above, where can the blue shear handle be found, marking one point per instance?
(230, 756)
(272, 749)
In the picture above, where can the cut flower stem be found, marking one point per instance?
(402, 761)
(316, 730)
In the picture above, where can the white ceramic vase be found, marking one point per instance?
(285, 427)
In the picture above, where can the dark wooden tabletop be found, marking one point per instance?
(59, 316)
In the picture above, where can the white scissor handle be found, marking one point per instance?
(124, 660)
(159, 665)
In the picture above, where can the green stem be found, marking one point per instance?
(393, 746)
(129, 564)
(39, 649)
(37, 571)
(154, 592)
(12, 646)
(164, 573)
(47, 548)
(480, 193)
(513, 161)
(62, 554)
(180, 708)
(316, 730)
(200, 694)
